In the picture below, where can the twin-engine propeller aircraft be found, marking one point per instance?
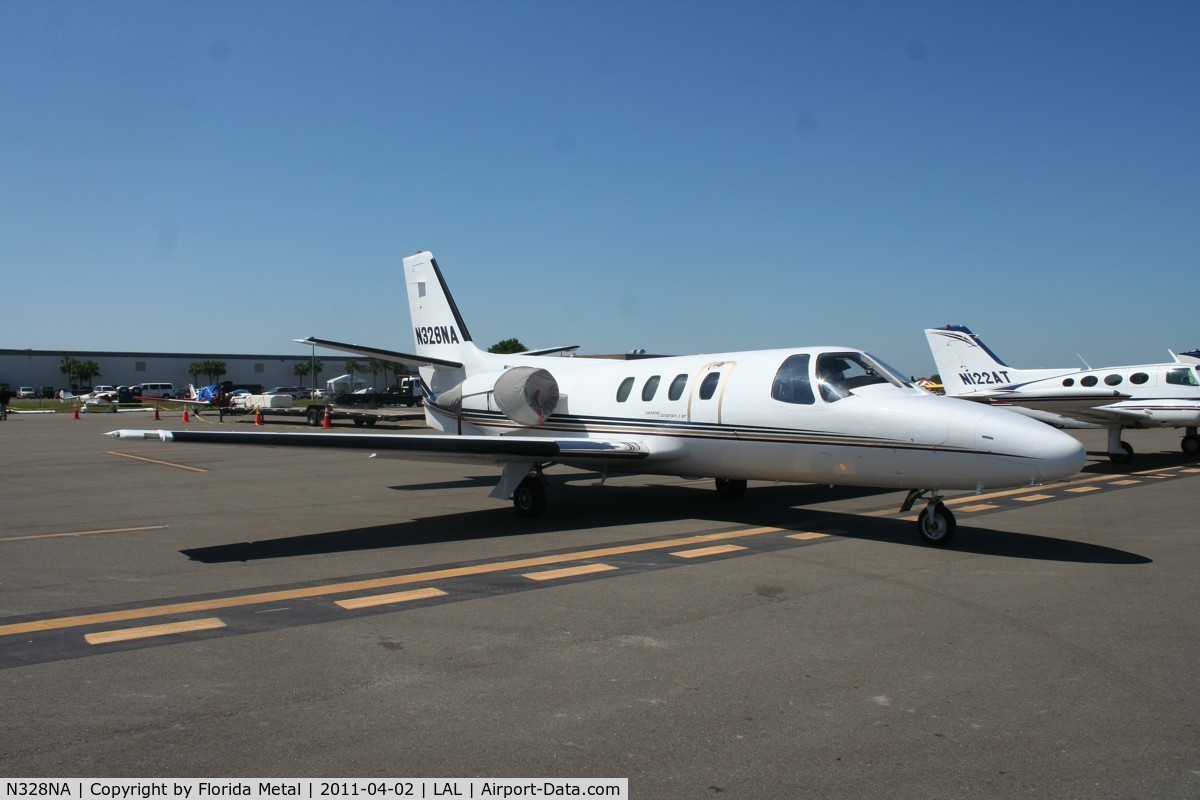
(831, 415)
(1140, 396)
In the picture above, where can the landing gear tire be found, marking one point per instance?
(936, 527)
(1122, 458)
(1190, 444)
(731, 488)
(530, 497)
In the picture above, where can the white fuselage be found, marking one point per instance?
(730, 415)
(1141, 396)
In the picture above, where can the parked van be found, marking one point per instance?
(163, 390)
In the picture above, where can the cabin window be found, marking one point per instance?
(677, 387)
(1182, 377)
(624, 389)
(1112, 380)
(708, 386)
(1068, 382)
(650, 387)
(1139, 378)
(791, 381)
(1090, 380)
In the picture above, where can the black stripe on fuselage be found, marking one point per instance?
(682, 429)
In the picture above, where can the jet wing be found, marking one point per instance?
(1076, 405)
(1094, 408)
(417, 447)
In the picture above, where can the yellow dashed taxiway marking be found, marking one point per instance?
(568, 572)
(1033, 498)
(81, 533)
(1081, 489)
(324, 590)
(700, 552)
(980, 507)
(1125, 483)
(156, 461)
(387, 599)
(106, 637)
(804, 537)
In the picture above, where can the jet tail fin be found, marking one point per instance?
(968, 366)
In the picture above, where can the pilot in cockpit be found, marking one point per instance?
(831, 374)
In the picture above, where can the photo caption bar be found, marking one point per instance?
(312, 788)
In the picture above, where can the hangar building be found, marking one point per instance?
(39, 368)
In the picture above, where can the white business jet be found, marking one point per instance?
(1140, 396)
(831, 415)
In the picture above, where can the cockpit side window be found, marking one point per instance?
(1182, 377)
(838, 374)
(791, 381)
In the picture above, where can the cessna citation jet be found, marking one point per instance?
(831, 415)
(1141, 396)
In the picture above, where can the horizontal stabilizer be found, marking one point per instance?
(546, 351)
(383, 355)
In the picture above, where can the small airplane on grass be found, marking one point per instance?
(1140, 396)
(832, 415)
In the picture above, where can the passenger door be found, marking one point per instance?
(708, 391)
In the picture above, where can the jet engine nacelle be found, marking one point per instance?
(525, 395)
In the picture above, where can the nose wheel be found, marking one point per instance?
(935, 524)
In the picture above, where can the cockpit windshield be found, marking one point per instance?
(838, 374)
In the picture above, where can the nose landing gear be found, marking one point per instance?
(935, 524)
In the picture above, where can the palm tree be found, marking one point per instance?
(351, 366)
(316, 365)
(196, 369)
(67, 366)
(376, 366)
(86, 370)
(214, 370)
(302, 369)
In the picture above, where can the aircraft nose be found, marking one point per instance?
(1059, 455)
(1052, 454)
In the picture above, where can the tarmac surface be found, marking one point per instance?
(175, 610)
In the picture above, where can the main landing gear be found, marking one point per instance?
(730, 487)
(529, 498)
(1119, 452)
(935, 524)
(1190, 443)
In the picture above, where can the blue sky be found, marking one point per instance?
(679, 177)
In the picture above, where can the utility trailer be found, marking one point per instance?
(394, 405)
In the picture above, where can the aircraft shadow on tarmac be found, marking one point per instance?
(1141, 463)
(577, 507)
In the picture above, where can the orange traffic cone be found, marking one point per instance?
(327, 422)
(185, 415)
(157, 418)
(76, 412)
(258, 420)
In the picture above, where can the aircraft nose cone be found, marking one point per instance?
(1060, 455)
(1041, 453)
